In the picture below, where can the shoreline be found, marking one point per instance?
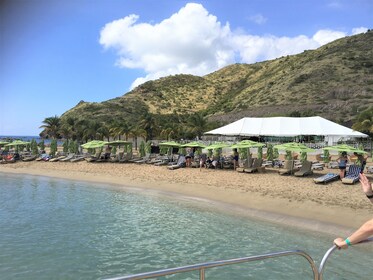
(285, 200)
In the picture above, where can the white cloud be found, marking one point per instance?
(326, 36)
(258, 19)
(359, 30)
(192, 41)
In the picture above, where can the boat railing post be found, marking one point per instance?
(329, 252)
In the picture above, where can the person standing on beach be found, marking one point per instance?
(361, 161)
(366, 230)
(235, 159)
(342, 164)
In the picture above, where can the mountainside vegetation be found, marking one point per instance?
(334, 82)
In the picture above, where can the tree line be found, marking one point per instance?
(149, 126)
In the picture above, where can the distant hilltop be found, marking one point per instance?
(334, 81)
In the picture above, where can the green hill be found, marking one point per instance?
(334, 81)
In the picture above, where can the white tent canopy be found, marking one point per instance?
(285, 127)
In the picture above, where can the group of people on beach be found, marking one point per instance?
(344, 159)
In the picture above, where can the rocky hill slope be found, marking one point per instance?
(334, 81)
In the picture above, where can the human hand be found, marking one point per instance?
(340, 243)
(365, 184)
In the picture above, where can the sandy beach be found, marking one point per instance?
(333, 208)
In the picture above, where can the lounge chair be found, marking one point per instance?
(288, 168)
(256, 165)
(43, 157)
(247, 163)
(329, 177)
(29, 158)
(333, 164)
(317, 166)
(305, 170)
(179, 164)
(78, 158)
(144, 159)
(125, 158)
(352, 175)
(68, 158)
(57, 158)
(92, 158)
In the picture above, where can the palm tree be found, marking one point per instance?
(149, 124)
(104, 131)
(51, 127)
(69, 128)
(91, 131)
(119, 128)
(197, 124)
(137, 131)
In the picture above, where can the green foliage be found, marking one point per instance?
(260, 152)
(114, 150)
(326, 156)
(364, 121)
(288, 155)
(209, 153)
(34, 147)
(71, 146)
(41, 145)
(163, 150)
(243, 153)
(65, 146)
(269, 152)
(275, 153)
(182, 151)
(303, 156)
(142, 149)
(53, 147)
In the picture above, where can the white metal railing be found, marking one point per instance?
(201, 267)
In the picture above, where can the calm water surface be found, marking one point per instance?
(56, 229)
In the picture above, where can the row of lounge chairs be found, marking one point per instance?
(352, 176)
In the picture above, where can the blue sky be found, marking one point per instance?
(55, 53)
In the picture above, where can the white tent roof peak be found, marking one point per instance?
(285, 126)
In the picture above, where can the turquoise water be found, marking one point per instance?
(56, 229)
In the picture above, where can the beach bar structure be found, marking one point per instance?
(287, 127)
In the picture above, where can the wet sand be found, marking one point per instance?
(334, 208)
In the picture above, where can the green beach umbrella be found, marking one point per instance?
(247, 144)
(197, 145)
(294, 147)
(170, 145)
(344, 148)
(3, 143)
(217, 146)
(94, 144)
(193, 145)
(17, 143)
(118, 143)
